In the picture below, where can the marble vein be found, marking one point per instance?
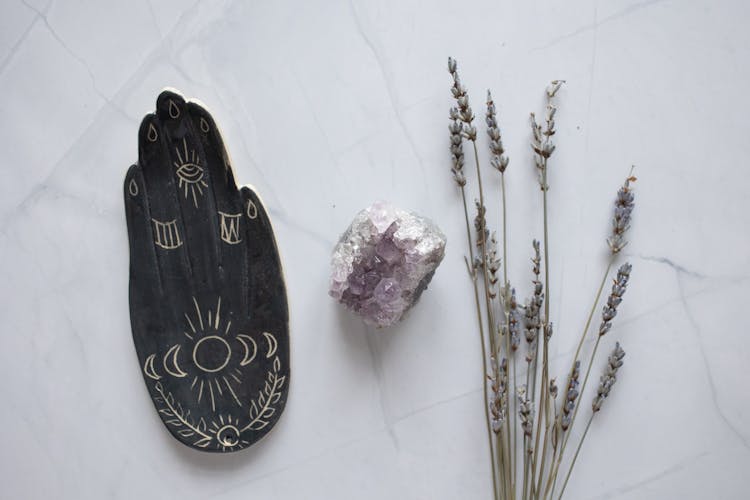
(630, 488)
(43, 16)
(40, 186)
(707, 365)
(19, 42)
(593, 26)
(390, 88)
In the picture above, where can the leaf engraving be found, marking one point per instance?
(180, 418)
(262, 409)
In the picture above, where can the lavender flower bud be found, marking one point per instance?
(571, 394)
(452, 66)
(624, 204)
(498, 160)
(499, 393)
(553, 389)
(615, 298)
(513, 324)
(553, 87)
(480, 224)
(609, 378)
(526, 412)
(457, 150)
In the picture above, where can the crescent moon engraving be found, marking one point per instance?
(248, 358)
(272, 344)
(173, 351)
(148, 368)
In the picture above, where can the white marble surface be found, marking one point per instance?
(327, 106)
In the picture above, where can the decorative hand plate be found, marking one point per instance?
(208, 304)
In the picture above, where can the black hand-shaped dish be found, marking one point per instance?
(208, 305)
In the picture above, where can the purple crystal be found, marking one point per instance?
(384, 261)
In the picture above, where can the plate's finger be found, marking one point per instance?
(219, 165)
(167, 232)
(193, 188)
(233, 245)
(266, 290)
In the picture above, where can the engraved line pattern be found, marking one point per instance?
(148, 368)
(252, 210)
(230, 227)
(213, 376)
(152, 135)
(262, 409)
(174, 111)
(166, 234)
(179, 418)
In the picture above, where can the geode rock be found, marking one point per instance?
(384, 261)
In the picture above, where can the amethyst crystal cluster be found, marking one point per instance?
(384, 261)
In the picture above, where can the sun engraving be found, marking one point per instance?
(226, 431)
(189, 172)
(213, 358)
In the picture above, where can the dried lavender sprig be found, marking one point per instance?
(498, 408)
(553, 391)
(498, 394)
(480, 225)
(513, 341)
(513, 321)
(499, 160)
(608, 379)
(525, 411)
(533, 321)
(493, 265)
(571, 394)
(526, 415)
(462, 99)
(458, 162)
(624, 205)
(608, 313)
(533, 307)
(482, 237)
(615, 298)
(465, 115)
(542, 143)
(457, 149)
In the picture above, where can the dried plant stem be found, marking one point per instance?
(543, 406)
(525, 468)
(506, 309)
(592, 312)
(491, 323)
(575, 411)
(549, 489)
(501, 452)
(483, 248)
(575, 457)
(507, 483)
(515, 426)
(482, 341)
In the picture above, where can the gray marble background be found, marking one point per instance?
(327, 106)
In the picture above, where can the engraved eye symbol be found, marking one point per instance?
(190, 172)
